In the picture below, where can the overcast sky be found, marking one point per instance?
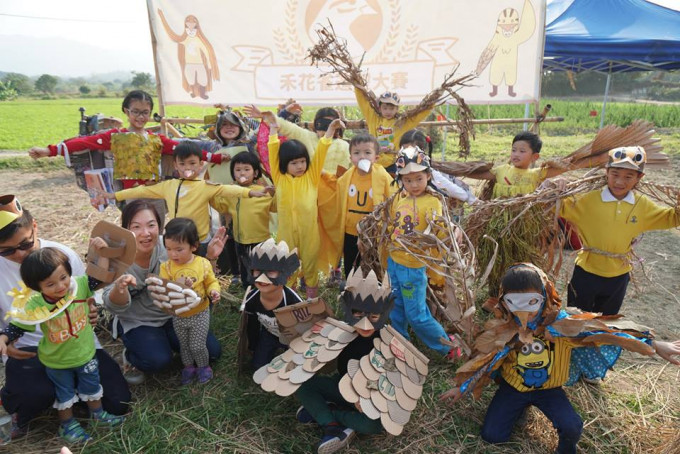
(84, 37)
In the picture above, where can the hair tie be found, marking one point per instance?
(427, 139)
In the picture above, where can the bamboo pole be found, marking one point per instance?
(361, 124)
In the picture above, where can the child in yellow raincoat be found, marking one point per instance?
(297, 178)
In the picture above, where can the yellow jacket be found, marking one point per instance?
(250, 216)
(296, 202)
(384, 130)
(611, 226)
(338, 152)
(194, 197)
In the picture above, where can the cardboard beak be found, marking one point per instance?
(364, 324)
(263, 279)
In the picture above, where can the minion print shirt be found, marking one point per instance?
(542, 364)
(359, 201)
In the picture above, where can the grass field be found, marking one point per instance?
(635, 411)
(27, 123)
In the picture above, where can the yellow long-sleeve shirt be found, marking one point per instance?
(410, 214)
(249, 215)
(338, 152)
(186, 198)
(611, 226)
(511, 181)
(201, 272)
(385, 130)
(296, 203)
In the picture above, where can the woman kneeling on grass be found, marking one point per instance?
(146, 330)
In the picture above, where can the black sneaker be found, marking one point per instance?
(335, 437)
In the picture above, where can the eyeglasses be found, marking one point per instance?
(139, 113)
(635, 154)
(23, 246)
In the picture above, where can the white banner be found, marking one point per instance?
(236, 53)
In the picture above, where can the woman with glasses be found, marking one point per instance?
(28, 391)
(136, 151)
(146, 331)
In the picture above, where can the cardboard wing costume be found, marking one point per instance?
(386, 383)
(599, 339)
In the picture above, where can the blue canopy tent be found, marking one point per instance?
(611, 36)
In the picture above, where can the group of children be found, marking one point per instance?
(314, 238)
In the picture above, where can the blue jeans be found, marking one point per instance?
(150, 348)
(409, 286)
(65, 385)
(508, 404)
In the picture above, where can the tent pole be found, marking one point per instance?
(606, 95)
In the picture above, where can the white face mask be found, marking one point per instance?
(523, 302)
(364, 165)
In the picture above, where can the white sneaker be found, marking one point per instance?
(132, 375)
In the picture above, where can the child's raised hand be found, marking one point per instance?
(38, 152)
(334, 126)
(294, 108)
(269, 118)
(215, 296)
(216, 244)
(252, 111)
(670, 351)
(452, 394)
(271, 190)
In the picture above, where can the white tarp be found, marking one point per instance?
(237, 52)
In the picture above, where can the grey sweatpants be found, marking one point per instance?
(192, 333)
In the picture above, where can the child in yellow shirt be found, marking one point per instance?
(362, 188)
(410, 209)
(181, 241)
(250, 216)
(517, 178)
(608, 220)
(386, 124)
(296, 178)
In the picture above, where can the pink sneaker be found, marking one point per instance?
(205, 374)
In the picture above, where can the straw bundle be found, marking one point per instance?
(332, 50)
(594, 154)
